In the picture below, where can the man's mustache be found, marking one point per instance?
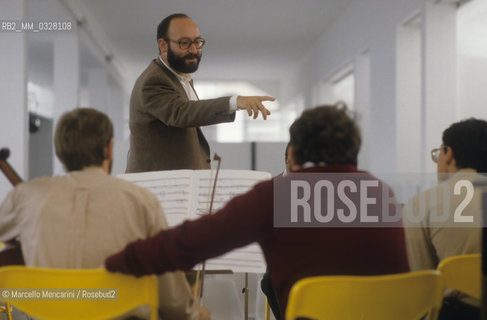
(191, 56)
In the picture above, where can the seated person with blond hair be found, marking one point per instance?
(76, 220)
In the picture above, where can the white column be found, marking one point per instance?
(409, 146)
(382, 112)
(66, 78)
(439, 74)
(362, 105)
(115, 108)
(97, 89)
(116, 112)
(13, 92)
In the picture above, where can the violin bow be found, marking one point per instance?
(201, 275)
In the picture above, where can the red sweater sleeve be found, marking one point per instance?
(242, 221)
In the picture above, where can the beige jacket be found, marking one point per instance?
(430, 240)
(164, 123)
(77, 220)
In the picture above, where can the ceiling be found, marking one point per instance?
(246, 39)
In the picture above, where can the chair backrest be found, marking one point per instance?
(131, 292)
(404, 296)
(462, 273)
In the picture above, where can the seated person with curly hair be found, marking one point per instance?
(324, 139)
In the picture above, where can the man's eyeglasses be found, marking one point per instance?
(435, 153)
(185, 43)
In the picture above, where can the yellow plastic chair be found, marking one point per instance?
(462, 273)
(267, 310)
(6, 309)
(405, 296)
(132, 292)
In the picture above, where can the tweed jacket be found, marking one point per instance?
(164, 123)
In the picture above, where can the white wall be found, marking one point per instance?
(268, 156)
(117, 110)
(365, 25)
(13, 92)
(372, 26)
(408, 96)
(52, 63)
(472, 85)
(439, 56)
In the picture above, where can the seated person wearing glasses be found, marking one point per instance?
(323, 140)
(76, 220)
(165, 112)
(462, 156)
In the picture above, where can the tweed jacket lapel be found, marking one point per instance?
(177, 84)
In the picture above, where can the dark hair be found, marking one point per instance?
(163, 27)
(81, 138)
(468, 141)
(285, 151)
(326, 134)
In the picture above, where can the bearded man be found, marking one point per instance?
(165, 112)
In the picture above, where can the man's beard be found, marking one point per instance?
(178, 63)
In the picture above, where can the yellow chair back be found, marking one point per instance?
(7, 310)
(462, 273)
(405, 296)
(131, 292)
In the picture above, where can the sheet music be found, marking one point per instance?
(185, 194)
(172, 188)
(230, 184)
(247, 259)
